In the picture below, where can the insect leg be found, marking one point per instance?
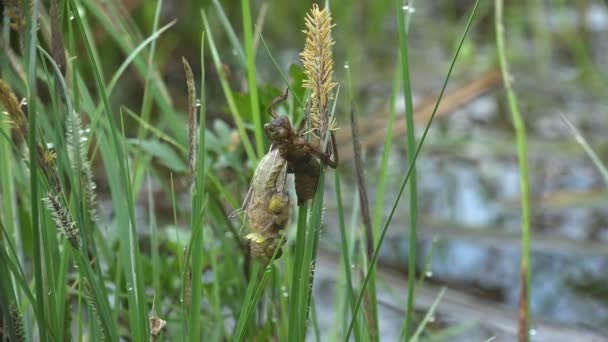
(276, 101)
(326, 157)
(302, 125)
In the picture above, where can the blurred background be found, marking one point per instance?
(469, 198)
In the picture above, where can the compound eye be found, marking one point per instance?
(271, 130)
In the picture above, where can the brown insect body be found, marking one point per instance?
(302, 156)
(298, 154)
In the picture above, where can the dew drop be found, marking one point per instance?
(532, 332)
(408, 8)
(346, 66)
(197, 103)
(429, 274)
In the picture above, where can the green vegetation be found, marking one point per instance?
(120, 167)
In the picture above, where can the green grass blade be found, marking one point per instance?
(234, 40)
(409, 170)
(346, 256)
(298, 273)
(238, 120)
(427, 318)
(244, 322)
(403, 19)
(524, 179)
(146, 102)
(32, 42)
(384, 168)
(281, 73)
(134, 54)
(580, 139)
(117, 170)
(251, 78)
(197, 218)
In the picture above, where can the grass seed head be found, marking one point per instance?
(317, 59)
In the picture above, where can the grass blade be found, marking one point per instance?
(32, 42)
(374, 260)
(251, 78)
(524, 179)
(238, 120)
(580, 139)
(346, 256)
(114, 156)
(403, 19)
(427, 318)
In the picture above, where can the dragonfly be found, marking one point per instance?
(302, 156)
(267, 207)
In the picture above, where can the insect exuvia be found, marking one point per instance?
(301, 155)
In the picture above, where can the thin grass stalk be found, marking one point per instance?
(388, 143)
(232, 37)
(9, 258)
(7, 183)
(244, 322)
(312, 243)
(33, 158)
(374, 260)
(126, 43)
(133, 56)
(251, 78)
(370, 303)
(344, 240)
(215, 292)
(524, 179)
(580, 139)
(198, 201)
(121, 190)
(297, 99)
(57, 37)
(124, 40)
(296, 292)
(6, 174)
(146, 102)
(317, 59)
(428, 317)
(346, 260)
(195, 248)
(11, 323)
(64, 220)
(402, 18)
(238, 120)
